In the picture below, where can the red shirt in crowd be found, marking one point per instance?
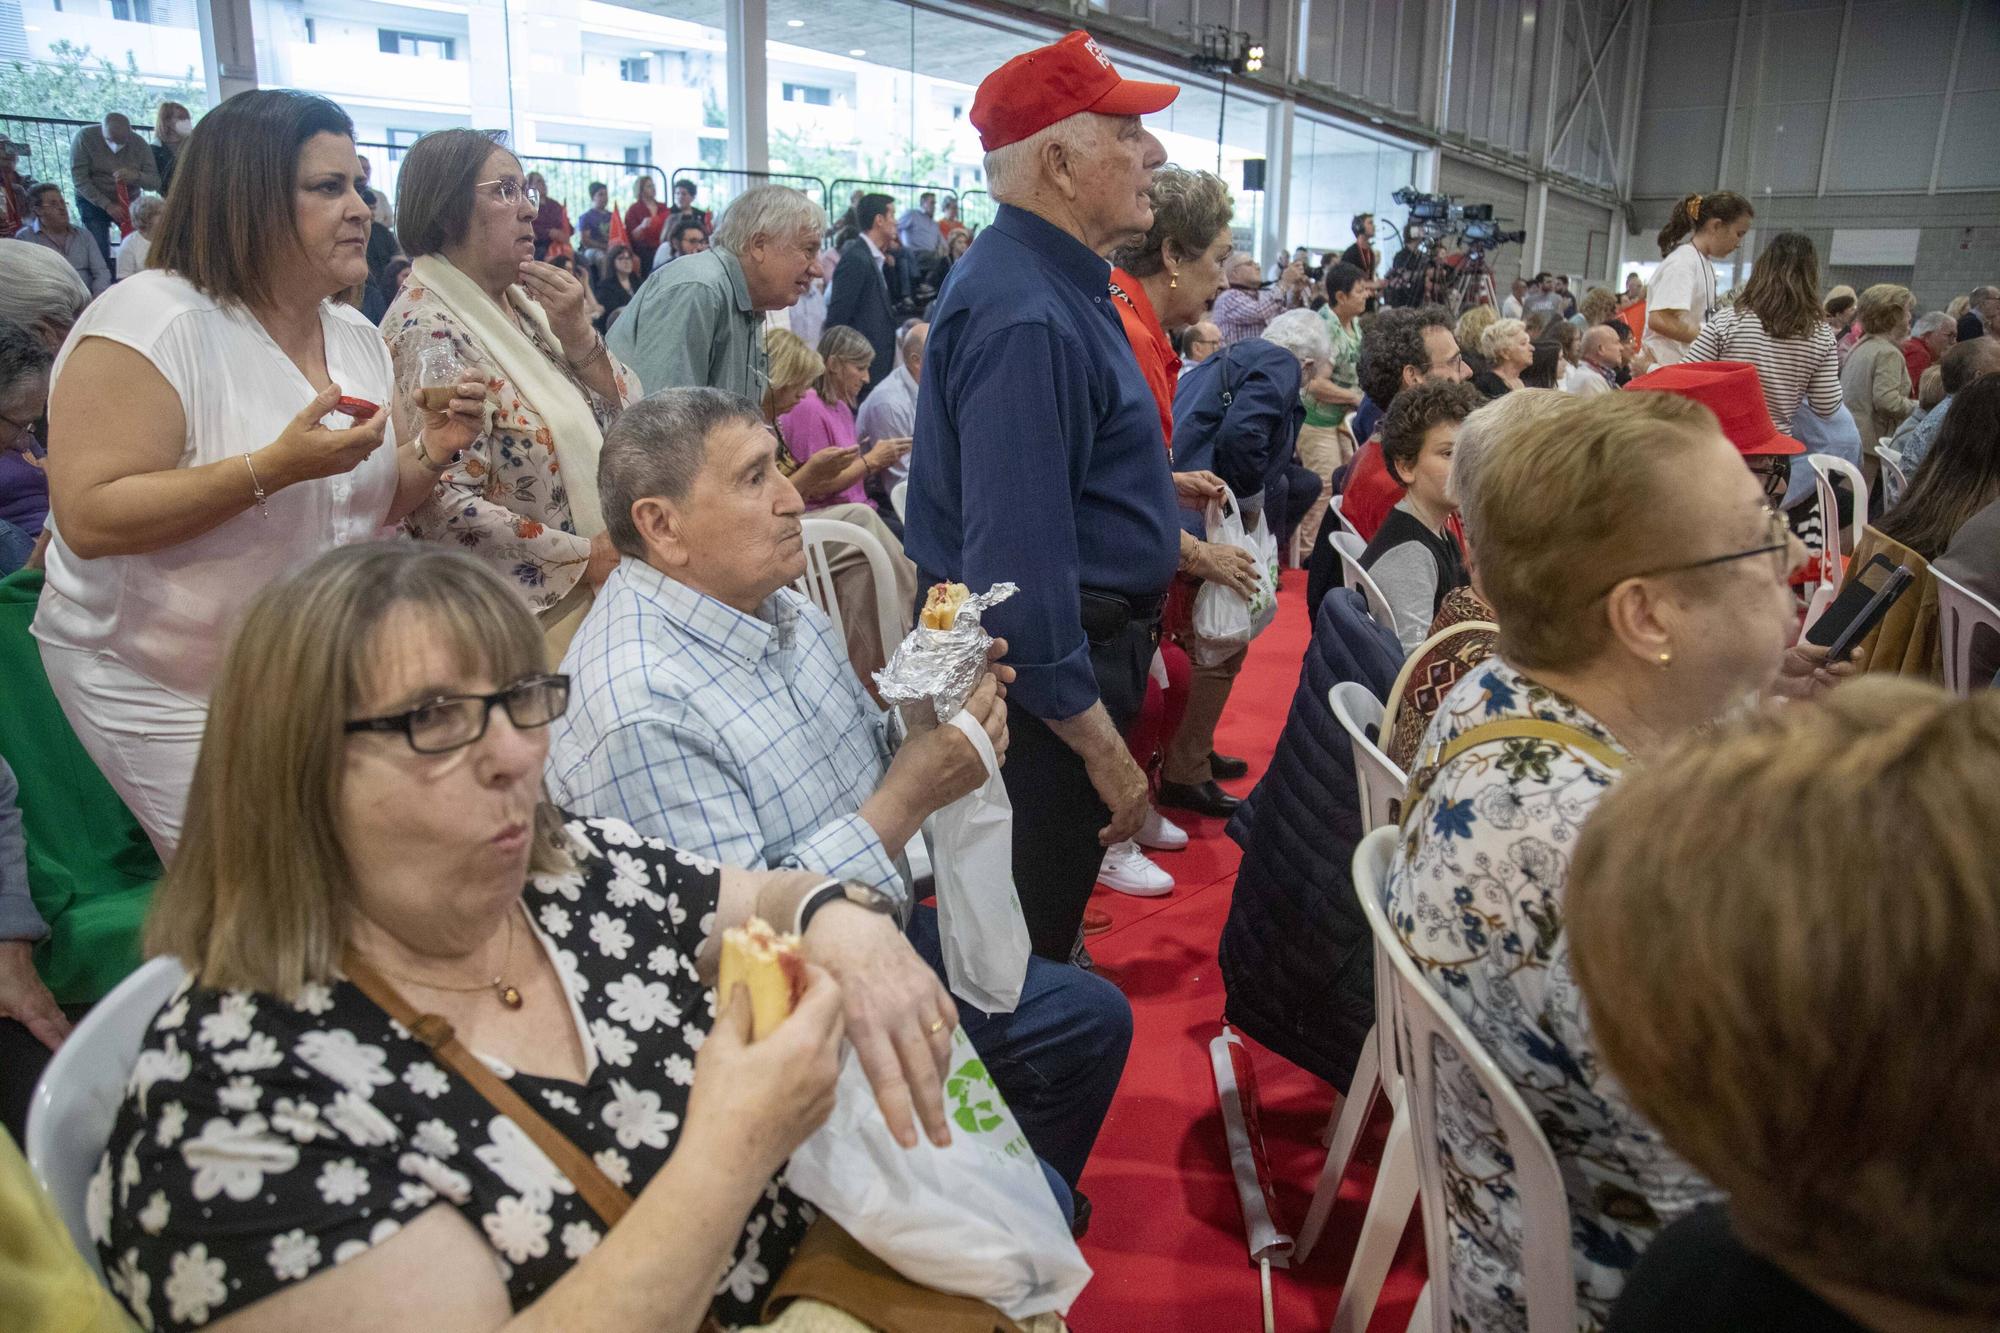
(1157, 359)
(1371, 492)
(1917, 356)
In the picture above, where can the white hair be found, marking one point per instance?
(147, 207)
(775, 212)
(38, 287)
(1302, 333)
(1013, 171)
(1931, 323)
(1498, 332)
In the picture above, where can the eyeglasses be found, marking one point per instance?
(511, 191)
(454, 721)
(1778, 544)
(1774, 471)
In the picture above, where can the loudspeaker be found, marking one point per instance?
(1253, 173)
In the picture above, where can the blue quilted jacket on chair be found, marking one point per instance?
(1296, 958)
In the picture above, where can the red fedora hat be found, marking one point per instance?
(1731, 390)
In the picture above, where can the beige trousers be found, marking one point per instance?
(1323, 449)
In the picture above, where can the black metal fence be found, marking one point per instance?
(568, 178)
(47, 141)
(718, 187)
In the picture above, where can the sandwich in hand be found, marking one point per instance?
(941, 605)
(769, 965)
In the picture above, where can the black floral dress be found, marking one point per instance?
(262, 1142)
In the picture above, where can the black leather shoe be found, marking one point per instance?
(1227, 767)
(1206, 799)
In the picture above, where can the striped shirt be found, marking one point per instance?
(1791, 369)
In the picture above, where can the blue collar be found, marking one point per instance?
(1089, 271)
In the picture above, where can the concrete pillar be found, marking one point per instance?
(1277, 179)
(745, 26)
(228, 46)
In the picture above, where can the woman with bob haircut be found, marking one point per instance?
(1878, 393)
(214, 423)
(1809, 1020)
(523, 495)
(388, 933)
(1638, 577)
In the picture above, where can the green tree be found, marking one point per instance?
(793, 152)
(76, 83)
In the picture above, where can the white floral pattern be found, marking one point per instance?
(1476, 894)
(262, 1142)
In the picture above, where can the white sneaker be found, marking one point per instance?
(1160, 833)
(1129, 870)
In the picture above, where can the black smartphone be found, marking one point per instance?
(1853, 599)
(1871, 615)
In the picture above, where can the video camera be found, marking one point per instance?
(1443, 218)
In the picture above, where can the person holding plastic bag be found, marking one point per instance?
(1238, 415)
(713, 705)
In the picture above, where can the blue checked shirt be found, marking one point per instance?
(746, 739)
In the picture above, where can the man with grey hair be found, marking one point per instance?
(1982, 315)
(101, 158)
(890, 412)
(712, 705)
(1931, 336)
(1040, 460)
(700, 320)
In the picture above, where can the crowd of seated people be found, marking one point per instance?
(524, 545)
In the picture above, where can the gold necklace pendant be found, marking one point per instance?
(509, 995)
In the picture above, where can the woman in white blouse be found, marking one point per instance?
(205, 436)
(1701, 229)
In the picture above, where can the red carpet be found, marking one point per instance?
(1167, 1237)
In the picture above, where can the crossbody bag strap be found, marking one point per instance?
(1509, 729)
(605, 1198)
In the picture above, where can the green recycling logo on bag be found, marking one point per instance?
(977, 1107)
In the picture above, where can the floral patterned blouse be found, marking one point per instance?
(262, 1142)
(506, 499)
(1476, 894)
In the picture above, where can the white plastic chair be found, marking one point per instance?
(1826, 470)
(899, 494)
(1395, 1191)
(1380, 785)
(1340, 516)
(1893, 472)
(1960, 612)
(1423, 1021)
(77, 1098)
(1348, 544)
(817, 582)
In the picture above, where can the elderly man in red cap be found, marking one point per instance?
(1039, 459)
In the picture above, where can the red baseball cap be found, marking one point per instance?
(1731, 390)
(1036, 89)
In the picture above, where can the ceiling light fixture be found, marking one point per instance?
(795, 23)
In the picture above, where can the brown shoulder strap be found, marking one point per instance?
(605, 1198)
(1508, 729)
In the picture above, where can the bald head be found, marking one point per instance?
(117, 128)
(1600, 346)
(911, 345)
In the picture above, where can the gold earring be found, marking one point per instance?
(1174, 281)
(1666, 660)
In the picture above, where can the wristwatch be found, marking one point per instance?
(865, 896)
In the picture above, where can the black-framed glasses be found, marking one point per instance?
(454, 721)
(1773, 472)
(1778, 545)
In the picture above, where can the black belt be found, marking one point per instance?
(1106, 615)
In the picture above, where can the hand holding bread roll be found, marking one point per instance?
(766, 964)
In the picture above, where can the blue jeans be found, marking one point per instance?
(97, 226)
(1057, 1058)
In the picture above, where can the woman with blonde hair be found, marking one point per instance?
(1638, 577)
(479, 306)
(823, 417)
(1598, 306)
(172, 124)
(820, 479)
(1775, 324)
(1508, 351)
(1700, 230)
(1471, 325)
(1742, 980)
(1876, 379)
(395, 1013)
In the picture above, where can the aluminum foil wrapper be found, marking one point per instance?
(943, 665)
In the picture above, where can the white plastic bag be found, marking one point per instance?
(975, 1219)
(1225, 620)
(985, 937)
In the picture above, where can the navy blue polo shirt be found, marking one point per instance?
(1038, 457)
